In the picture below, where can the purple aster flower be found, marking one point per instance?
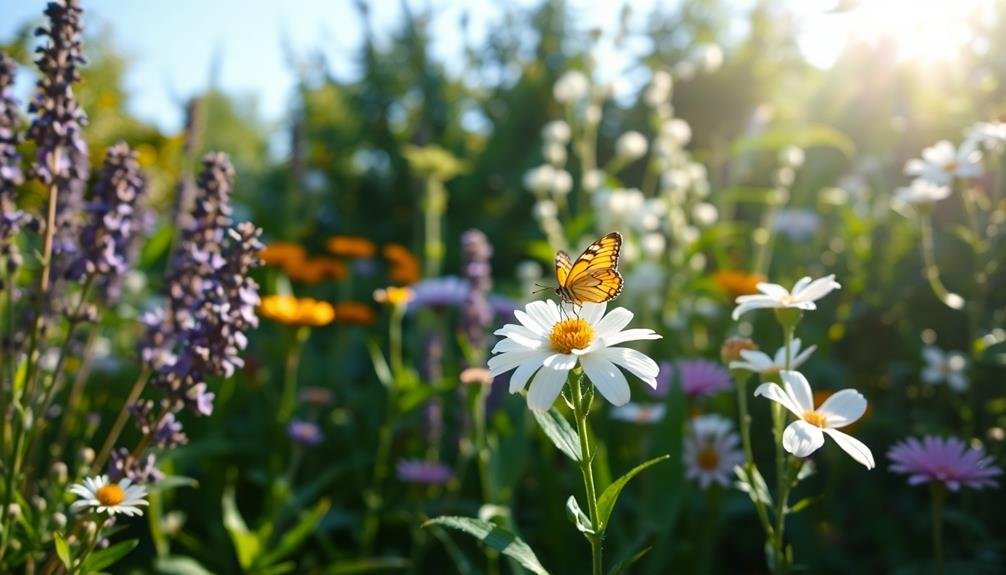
(438, 293)
(423, 472)
(142, 469)
(949, 461)
(698, 377)
(304, 432)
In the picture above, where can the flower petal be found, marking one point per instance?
(801, 438)
(545, 388)
(612, 323)
(638, 363)
(560, 361)
(530, 323)
(523, 373)
(506, 361)
(772, 391)
(744, 307)
(606, 378)
(630, 335)
(818, 288)
(854, 447)
(774, 291)
(593, 312)
(843, 407)
(798, 388)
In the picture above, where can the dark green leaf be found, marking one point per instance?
(179, 566)
(108, 556)
(803, 504)
(559, 431)
(246, 544)
(368, 565)
(621, 565)
(495, 537)
(62, 550)
(606, 503)
(292, 539)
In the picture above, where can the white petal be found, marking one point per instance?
(760, 360)
(630, 335)
(854, 447)
(798, 388)
(819, 288)
(801, 438)
(612, 323)
(523, 373)
(957, 381)
(932, 375)
(560, 361)
(802, 357)
(636, 362)
(531, 323)
(593, 312)
(774, 291)
(843, 407)
(606, 378)
(514, 344)
(933, 355)
(747, 306)
(505, 362)
(745, 366)
(777, 394)
(521, 337)
(800, 285)
(545, 388)
(543, 314)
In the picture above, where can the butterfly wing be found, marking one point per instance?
(594, 276)
(562, 266)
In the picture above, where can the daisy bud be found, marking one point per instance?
(556, 132)
(562, 183)
(59, 520)
(571, 86)
(732, 348)
(86, 455)
(554, 153)
(59, 472)
(14, 510)
(631, 146)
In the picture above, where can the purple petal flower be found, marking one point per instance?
(698, 378)
(949, 461)
(423, 472)
(304, 432)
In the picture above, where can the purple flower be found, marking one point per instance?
(423, 472)
(438, 293)
(11, 218)
(949, 461)
(141, 469)
(698, 377)
(477, 314)
(304, 432)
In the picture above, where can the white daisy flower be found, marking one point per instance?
(639, 412)
(109, 497)
(761, 363)
(805, 435)
(803, 295)
(711, 450)
(922, 191)
(942, 162)
(550, 341)
(941, 366)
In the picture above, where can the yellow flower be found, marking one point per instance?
(351, 246)
(353, 313)
(736, 283)
(393, 295)
(282, 254)
(290, 310)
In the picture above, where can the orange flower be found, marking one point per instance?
(353, 313)
(334, 269)
(351, 246)
(823, 394)
(404, 268)
(282, 254)
(308, 272)
(290, 310)
(736, 283)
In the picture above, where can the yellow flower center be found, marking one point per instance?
(815, 418)
(570, 334)
(110, 495)
(708, 458)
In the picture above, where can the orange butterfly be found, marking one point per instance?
(594, 276)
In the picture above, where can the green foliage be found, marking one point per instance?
(494, 537)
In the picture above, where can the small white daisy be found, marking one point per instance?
(109, 497)
(805, 435)
(922, 191)
(803, 295)
(711, 450)
(550, 341)
(942, 162)
(759, 362)
(941, 366)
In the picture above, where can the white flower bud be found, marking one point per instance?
(791, 156)
(593, 114)
(705, 214)
(556, 131)
(659, 91)
(540, 180)
(562, 183)
(555, 153)
(708, 57)
(631, 146)
(593, 180)
(545, 210)
(653, 244)
(571, 86)
(59, 520)
(677, 131)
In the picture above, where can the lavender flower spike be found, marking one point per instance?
(11, 219)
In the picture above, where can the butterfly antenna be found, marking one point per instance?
(540, 289)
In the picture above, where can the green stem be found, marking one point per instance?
(372, 497)
(938, 495)
(288, 401)
(749, 463)
(436, 204)
(581, 413)
(932, 271)
(120, 421)
(780, 562)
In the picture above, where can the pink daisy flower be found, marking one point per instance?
(698, 378)
(949, 461)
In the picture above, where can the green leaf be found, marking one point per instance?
(803, 504)
(246, 544)
(495, 537)
(578, 517)
(380, 364)
(559, 431)
(805, 137)
(293, 538)
(368, 565)
(108, 556)
(757, 489)
(157, 245)
(62, 550)
(621, 565)
(179, 566)
(606, 503)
